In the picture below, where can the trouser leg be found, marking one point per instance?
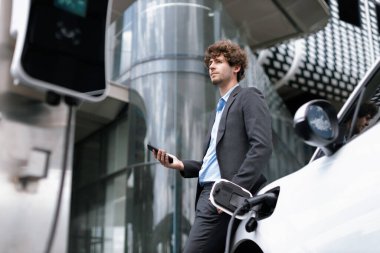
(208, 233)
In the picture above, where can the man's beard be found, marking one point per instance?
(216, 82)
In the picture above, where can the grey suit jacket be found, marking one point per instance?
(244, 140)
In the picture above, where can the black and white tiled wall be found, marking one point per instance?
(331, 62)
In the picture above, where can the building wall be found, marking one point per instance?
(330, 63)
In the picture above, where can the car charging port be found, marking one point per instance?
(268, 205)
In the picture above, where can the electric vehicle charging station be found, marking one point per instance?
(44, 49)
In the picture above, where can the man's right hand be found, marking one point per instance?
(163, 158)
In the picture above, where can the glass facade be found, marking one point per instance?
(124, 201)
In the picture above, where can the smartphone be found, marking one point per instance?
(152, 148)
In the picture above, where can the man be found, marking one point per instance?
(237, 147)
(366, 112)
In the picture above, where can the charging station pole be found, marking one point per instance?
(32, 137)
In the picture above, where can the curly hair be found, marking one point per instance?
(367, 108)
(234, 55)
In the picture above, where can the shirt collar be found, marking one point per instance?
(227, 95)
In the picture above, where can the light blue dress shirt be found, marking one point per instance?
(210, 171)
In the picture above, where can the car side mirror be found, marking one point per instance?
(317, 124)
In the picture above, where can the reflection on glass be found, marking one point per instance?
(319, 122)
(77, 7)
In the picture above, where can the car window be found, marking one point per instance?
(360, 112)
(363, 112)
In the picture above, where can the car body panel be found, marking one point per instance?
(330, 205)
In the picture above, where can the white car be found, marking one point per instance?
(333, 203)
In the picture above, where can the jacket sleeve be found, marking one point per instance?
(257, 122)
(191, 168)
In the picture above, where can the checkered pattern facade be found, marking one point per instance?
(330, 62)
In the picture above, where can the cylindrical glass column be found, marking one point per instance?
(168, 39)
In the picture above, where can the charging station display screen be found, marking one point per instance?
(65, 44)
(77, 7)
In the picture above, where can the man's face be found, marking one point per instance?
(361, 123)
(220, 71)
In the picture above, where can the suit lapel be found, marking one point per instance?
(223, 119)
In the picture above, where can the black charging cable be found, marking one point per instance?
(229, 229)
(247, 206)
(72, 103)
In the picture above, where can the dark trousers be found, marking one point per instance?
(208, 233)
